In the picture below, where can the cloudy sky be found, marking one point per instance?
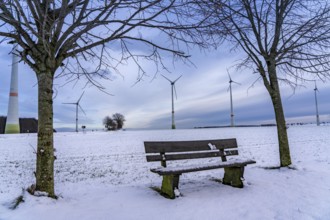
(203, 97)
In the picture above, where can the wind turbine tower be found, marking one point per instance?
(12, 123)
(316, 105)
(173, 90)
(77, 105)
(232, 124)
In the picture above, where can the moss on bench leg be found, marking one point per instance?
(170, 182)
(233, 176)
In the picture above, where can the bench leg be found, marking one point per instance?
(170, 182)
(233, 176)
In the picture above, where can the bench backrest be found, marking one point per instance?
(181, 150)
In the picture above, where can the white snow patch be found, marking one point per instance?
(212, 147)
(177, 192)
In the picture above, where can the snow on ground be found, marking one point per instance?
(105, 175)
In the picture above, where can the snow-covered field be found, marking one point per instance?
(105, 176)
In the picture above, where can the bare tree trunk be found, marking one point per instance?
(274, 92)
(45, 157)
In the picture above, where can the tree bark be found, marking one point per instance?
(45, 152)
(274, 92)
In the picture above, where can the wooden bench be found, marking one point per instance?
(164, 151)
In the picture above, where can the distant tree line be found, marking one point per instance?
(114, 123)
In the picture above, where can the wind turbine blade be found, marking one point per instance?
(229, 76)
(177, 79)
(72, 103)
(236, 82)
(81, 109)
(166, 78)
(230, 79)
(80, 97)
(316, 89)
(176, 97)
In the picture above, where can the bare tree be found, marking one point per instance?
(109, 123)
(60, 37)
(283, 40)
(119, 119)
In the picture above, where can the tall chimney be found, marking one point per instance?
(12, 124)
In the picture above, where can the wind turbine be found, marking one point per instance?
(317, 109)
(12, 123)
(231, 101)
(173, 90)
(77, 104)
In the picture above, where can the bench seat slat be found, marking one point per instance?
(200, 167)
(197, 155)
(183, 146)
